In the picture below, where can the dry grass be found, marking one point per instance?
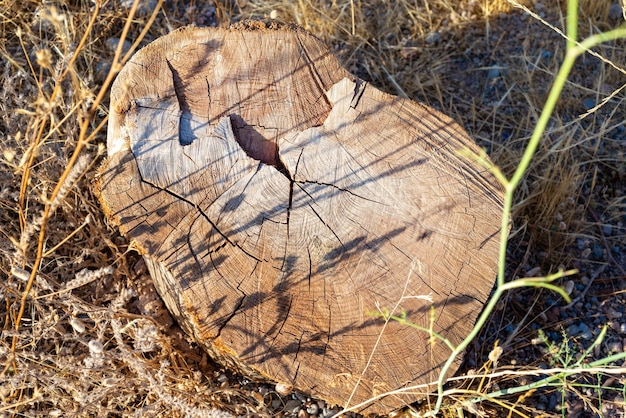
(86, 342)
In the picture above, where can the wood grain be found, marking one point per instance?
(279, 201)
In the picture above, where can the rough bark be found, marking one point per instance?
(279, 202)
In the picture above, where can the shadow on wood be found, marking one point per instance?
(278, 201)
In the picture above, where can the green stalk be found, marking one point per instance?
(573, 50)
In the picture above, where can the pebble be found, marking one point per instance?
(616, 12)
(102, 70)
(589, 103)
(283, 389)
(553, 401)
(572, 330)
(313, 409)
(329, 412)
(293, 405)
(143, 7)
(585, 332)
(95, 347)
(432, 38)
(494, 72)
(607, 229)
(598, 251)
(622, 328)
(112, 43)
(615, 347)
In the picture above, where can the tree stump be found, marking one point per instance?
(280, 202)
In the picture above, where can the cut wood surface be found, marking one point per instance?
(280, 203)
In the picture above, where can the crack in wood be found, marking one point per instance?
(320, 183)
(359, 89)
(314, 72)
(200, 211)
(185, 132)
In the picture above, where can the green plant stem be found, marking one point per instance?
(546, 381)
(574, 49)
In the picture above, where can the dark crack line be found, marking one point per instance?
(190, 245)
(298, 163)
(340, 189)
(310, 268)
(180, 95)
(201, 212)
(288, 224)
(290, 205)
(295, 358)
(295, 376)
(359, 89)
(231, 316)
(313, 70)
(208, 90)
(278, 332)
(185, 132)
(325, 224)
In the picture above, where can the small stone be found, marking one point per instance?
(607, 229)
(585, 332)
(101, 70)
(598, 252)
(554, 314)
(546, 54)
(534, 272)
(95, 347)
(569, 287)
(589, 103)
(112, 43)
(144, 6)
(622, 328)
(78, 325)
(313, 409)
(292, 405)
(432, 38)
(616, 11)
(494, 72)
(553, 401)
(615, 347)
(283, 389)
(613, 314)
(329, 412)
(573, 330)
